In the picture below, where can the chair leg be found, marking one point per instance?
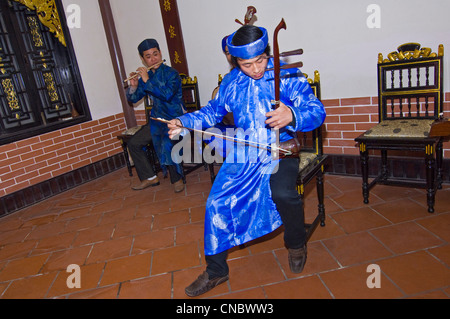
(127, 159)
(431, 190)
(320, 197)
(365, 174)
(384, 165)
(439, 161)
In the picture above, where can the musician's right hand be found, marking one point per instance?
(174, 128)
(134, 82)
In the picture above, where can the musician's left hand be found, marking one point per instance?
(280, 118)
(143, 73)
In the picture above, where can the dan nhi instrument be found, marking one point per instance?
(148, 69)
(292, 145)
(280, 148)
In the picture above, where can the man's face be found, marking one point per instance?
(255, 67)
(152, 57)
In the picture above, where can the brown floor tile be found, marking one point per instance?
(165, 220)
(17, 250)
(149, 244)
(303, 288)
(153, 208)
(110, 249)
(21, 268)
(35, 287)
(351, 283)
(54, 243)
(188, 201)
(89, 276)
(60, 260)
(175, 258)
(406, 237)
(401, 210)
(356, 248)
(438, 225)
(359, 219)
(98, 293)
(243, 273)
(188, 233)
(157, 287)
(153, 240)
(133, 227)
(94, 235)
(442, 253)
(255, 293)
(416, 272)
(126, 268)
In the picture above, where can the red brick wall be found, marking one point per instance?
(31, 161)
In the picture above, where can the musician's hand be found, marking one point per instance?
(174, 128)
(280, 118)
(134, 82)
(143, 73)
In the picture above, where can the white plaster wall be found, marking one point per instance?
(94, 61)
(333, 34)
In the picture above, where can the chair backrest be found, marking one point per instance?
(410, 83)
(191, 96)
(312, 141)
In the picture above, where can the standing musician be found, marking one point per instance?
(163, 85)
(252, 198)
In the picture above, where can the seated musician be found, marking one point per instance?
(163, 85)
(252, 198)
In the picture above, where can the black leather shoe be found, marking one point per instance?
(203, 284)
(297, 259)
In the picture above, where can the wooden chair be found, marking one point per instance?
(312, 161)
(410, 97)
(191, 98)
(191, 95)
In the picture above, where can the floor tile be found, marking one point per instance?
(356, 248)
(243, 274)
(351, 283)
(126, 268)
(406, 237)
(303, 288)
(149, 245)
(416, 272)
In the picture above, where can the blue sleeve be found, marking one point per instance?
(163, 91)
(307, 109)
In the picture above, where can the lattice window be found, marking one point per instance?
(40, 85)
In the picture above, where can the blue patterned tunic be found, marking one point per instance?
(239, 207)
(164, 88)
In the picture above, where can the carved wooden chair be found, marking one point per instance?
(410, 97)
(191, 95)
(312, 161)
(191, 98)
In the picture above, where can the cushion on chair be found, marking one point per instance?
(132, 130)
(306, 158)
(412, 128)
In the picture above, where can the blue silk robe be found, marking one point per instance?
(164, 88)
(239, 207)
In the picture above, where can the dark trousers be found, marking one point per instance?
(289, 205)
(137, 145)
(144, 168)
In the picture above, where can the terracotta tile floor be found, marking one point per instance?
(149, 244)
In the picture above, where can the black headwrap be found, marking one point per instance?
(147, 45)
